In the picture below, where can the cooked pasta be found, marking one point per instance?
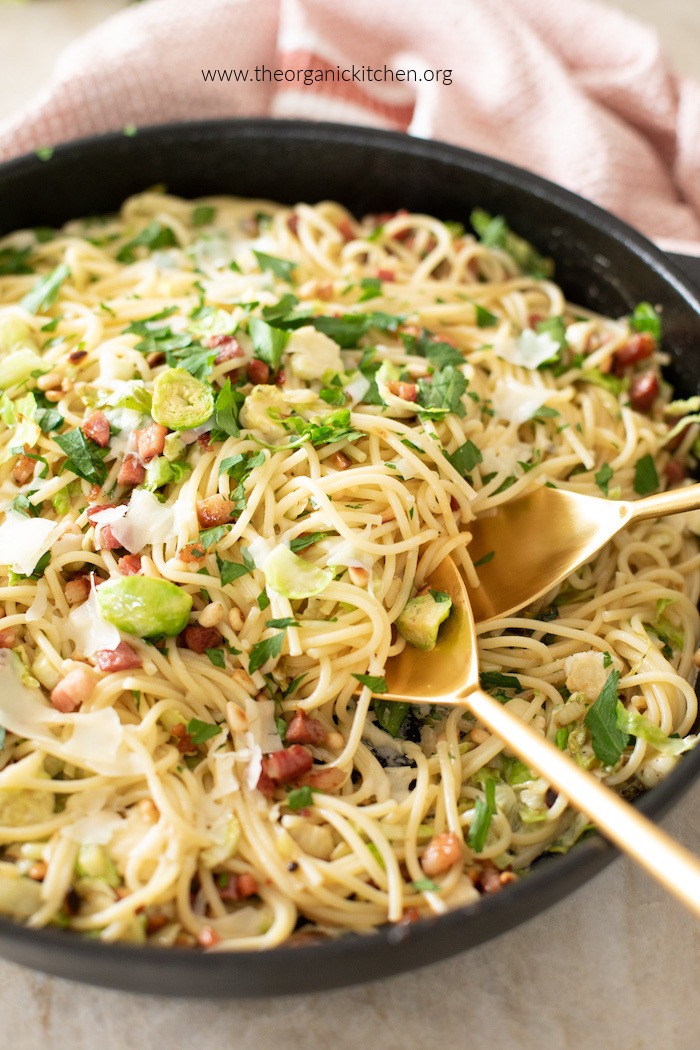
(236, 439)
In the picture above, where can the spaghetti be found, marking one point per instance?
(236, 439)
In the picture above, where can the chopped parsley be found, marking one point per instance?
(45, 292)
(267, 649)
(646, 479)
(607, 740)
(85, 457)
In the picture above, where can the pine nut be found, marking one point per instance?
(244, 680)
(148, 810)
(211, 614)
(54, 396)
(359, 576)
(235, 618)
(49, 381)
(237, 719)
(335, 741)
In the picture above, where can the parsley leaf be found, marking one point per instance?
(425, 886)
(646, 319)
(300, 543)
(282, 623)
(607, 740)
(202, 215)
(646, 479)
(325, 430)
(443, 394)
(465, 458)
(85, 458)
(226, 410)
(267, 649)
(484, 317)
(282, 268)
(217, 657)
(437, 352)
(199, 732)
(211, 537)
(348, 329)
(231, 570)
(153, 236)
(494, 232)
(300, 798)
(45, 292)
(371, 288)
(496, 680)
(268, 342)
(390, 716)
(484, 810)
(376, 683)
(14, 261)
(603, 478)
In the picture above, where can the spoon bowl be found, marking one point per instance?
(528, 545)
(449, 675)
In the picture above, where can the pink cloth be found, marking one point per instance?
(573, 90)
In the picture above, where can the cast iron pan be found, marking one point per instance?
(600, 262)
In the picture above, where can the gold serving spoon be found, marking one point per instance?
(449, 674)
(529, 545)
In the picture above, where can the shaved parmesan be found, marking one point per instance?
(504, 458)
(145, 521)
(518, 402)
(530, 350)
(96, 829)
(345, 553)
(88, 629)
(262, 729)
(97, 742)
(260, 550)
(357, 388)
(40, 604)
(23, 541)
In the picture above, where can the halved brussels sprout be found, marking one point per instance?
(144, 606)
(180, 401)
(421, 618)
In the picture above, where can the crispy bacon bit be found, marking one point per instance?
(238, 887)
(123, 658)
(204, 441)
(214, 510)
(305, 730)
(199, 639)
(227, 345)
(490, 880)
(150, 442)
(129, 564)
(207, 937)
(454, 503)
(192, 552)
(77, 590)
(345, 230)
(408, 916)
(340, 461)
(639, 346)
(281, 378)
(293, 224)
(644, 390)
(443, 850)
(132, 471)
(326, 779)
(258, 371)
(407, 391)
(386, 275)
(23, 470)
(154, 923)
(73, 690)
(185, 744)
(108, 541)
(97, 429)
(286, 765)
(674, 471)
(8, 638)
(265, 785)
(324, 290)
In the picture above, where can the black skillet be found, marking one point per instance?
(600, 262)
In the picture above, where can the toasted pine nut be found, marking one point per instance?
(38, 870)
(235, 618)
(388, 515)
(53, 395)
(339, 460)
(77, 590)
(49, 381)
(335, 741)
(149, 810)
(358, 575)
(442, 852)
(244, 680)
(237, 719)
(67, 385)
(211, 614)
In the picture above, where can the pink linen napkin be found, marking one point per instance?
(575, 91)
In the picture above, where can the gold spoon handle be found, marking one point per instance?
(671, 864)
(673, 502)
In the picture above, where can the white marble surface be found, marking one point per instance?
(613, 967)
